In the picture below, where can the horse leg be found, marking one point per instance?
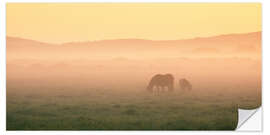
(159, 89)
(156, 90)
(170, 88)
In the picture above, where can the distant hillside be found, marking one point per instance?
(223, 45)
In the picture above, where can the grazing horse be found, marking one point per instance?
(160, 82)
(185, 84)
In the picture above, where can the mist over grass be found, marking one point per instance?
(102, 85)
(125, 109)
(107, 96)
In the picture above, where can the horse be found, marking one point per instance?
(185, 84)
(160, 82)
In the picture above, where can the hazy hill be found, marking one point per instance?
(232, 45)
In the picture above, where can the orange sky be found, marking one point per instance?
(59, 23)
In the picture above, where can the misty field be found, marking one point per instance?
(101, 85)
(112, 95)
(91, 66)
(30, 107)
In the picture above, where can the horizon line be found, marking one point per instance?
(85, 41)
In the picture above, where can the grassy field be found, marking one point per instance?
(84, 108)
(112, 95)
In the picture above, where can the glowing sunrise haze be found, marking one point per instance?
(58, 23)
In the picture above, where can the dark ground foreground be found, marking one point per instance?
(87, 108)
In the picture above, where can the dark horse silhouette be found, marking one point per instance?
(160, 82)
(185, 84)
